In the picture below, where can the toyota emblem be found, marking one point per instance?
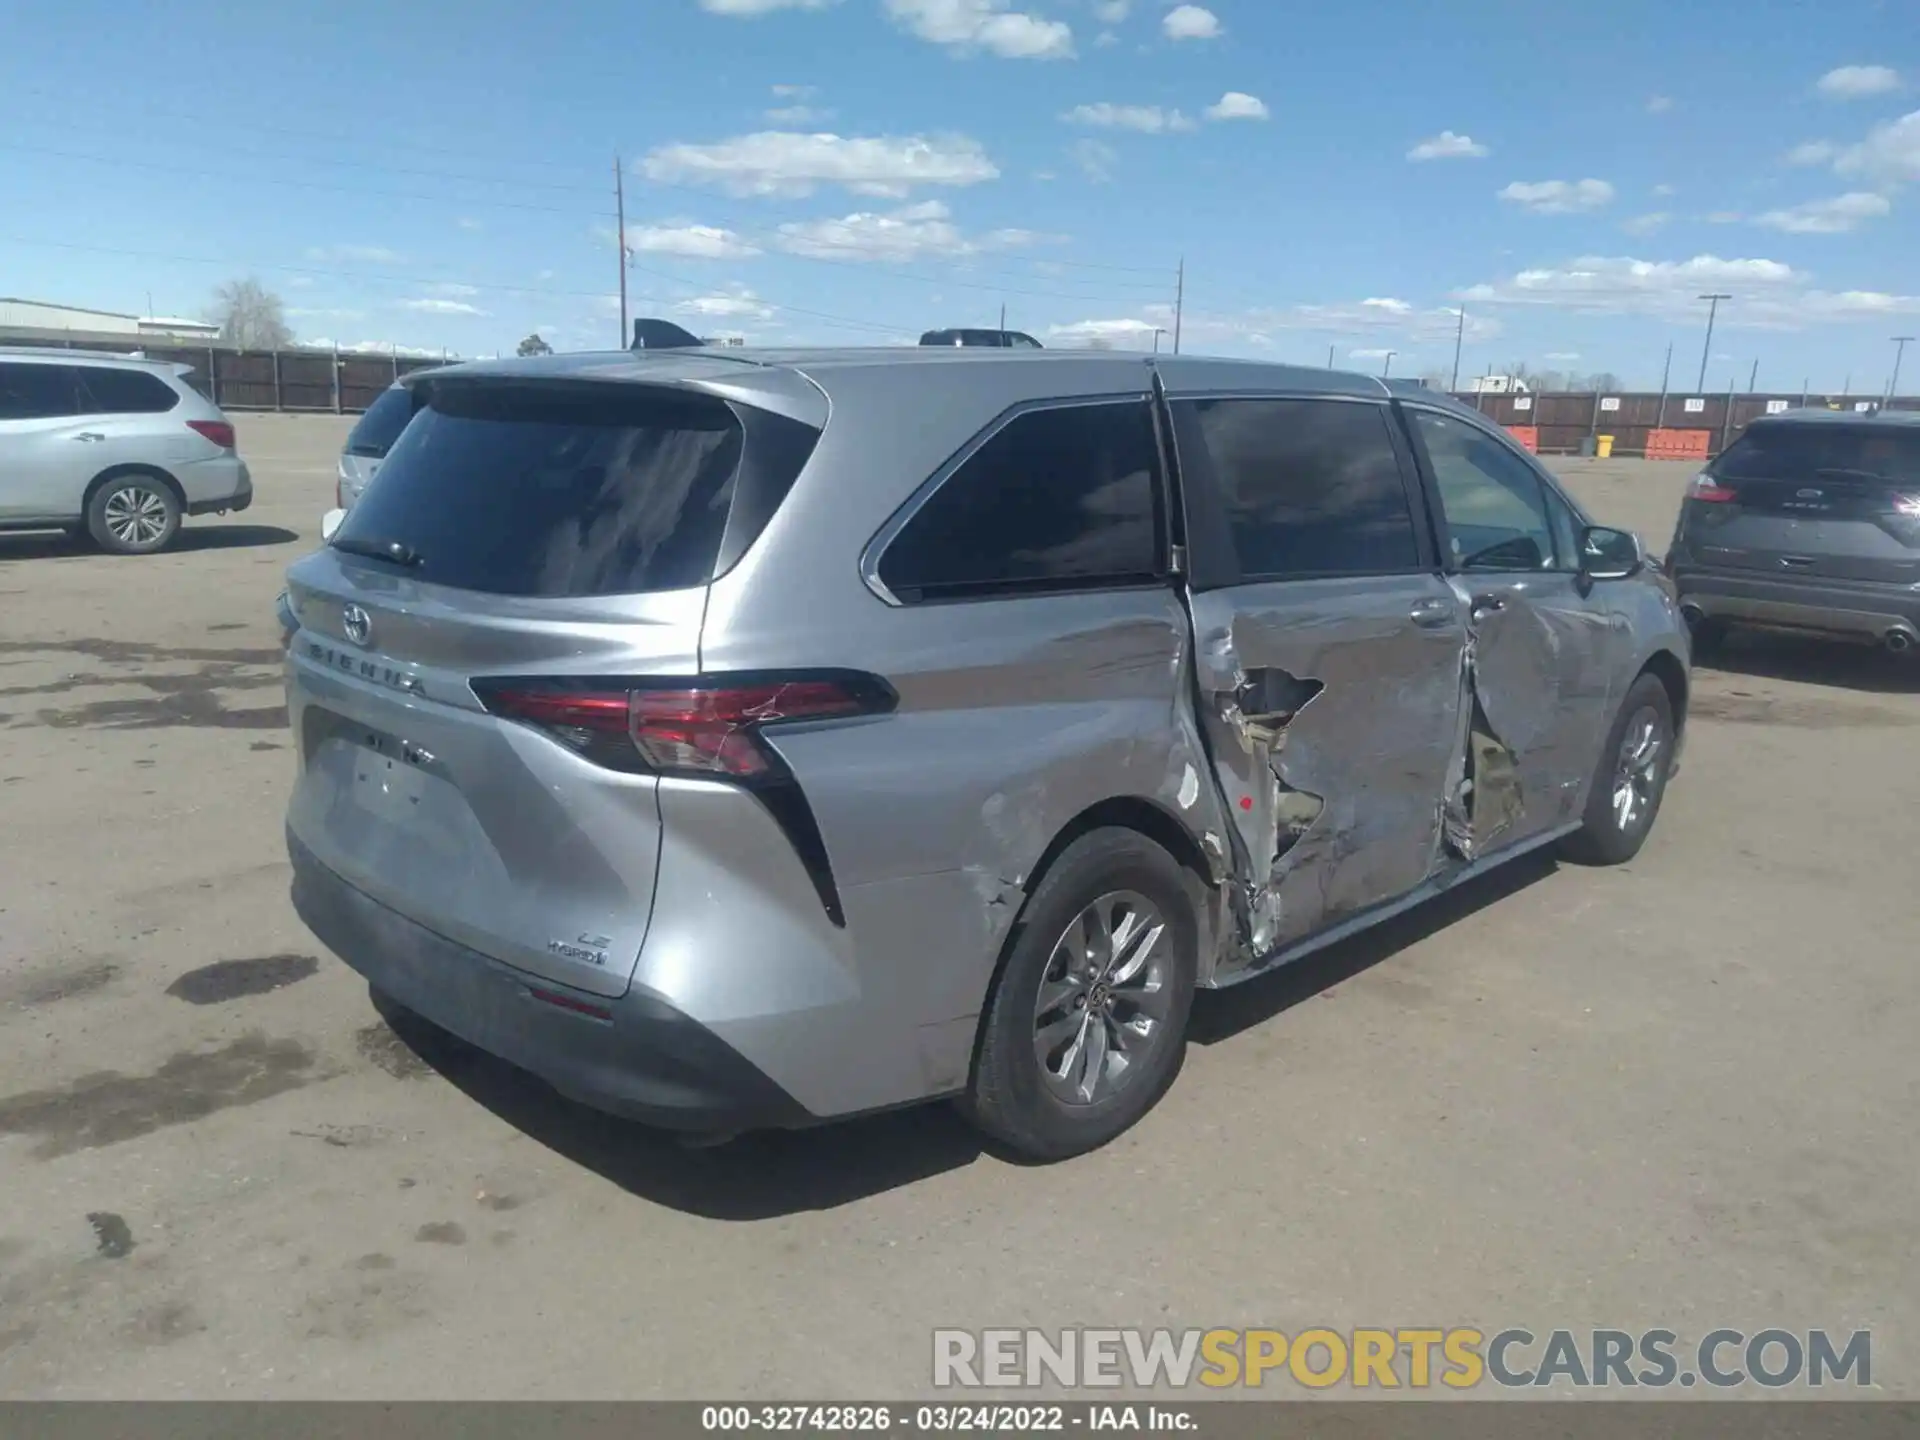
(356, 624)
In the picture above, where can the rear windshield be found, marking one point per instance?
(381, 425)
(573, 490)
(1809, 452)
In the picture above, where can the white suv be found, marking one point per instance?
(111, 447)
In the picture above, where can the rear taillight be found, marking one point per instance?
(1706, 487)
(709, 727)
(219, 432)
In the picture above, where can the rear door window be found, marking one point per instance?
(376, 430)
(575, 490)
(36, 392)
(1306, 488)
(123, 392)
(1061, 498)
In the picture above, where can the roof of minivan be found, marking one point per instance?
(1820, 416)
(713, 364)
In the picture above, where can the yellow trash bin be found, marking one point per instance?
(1604, 446)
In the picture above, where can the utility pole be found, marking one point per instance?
(1753, 375)
(1459, 335)
(1846, 386)
(1179, 301)
(1666, 373)
(620, 248)
(1386, 368)
(1003, 317)
(1329, 357)
(1713, 307)
(1900, 349)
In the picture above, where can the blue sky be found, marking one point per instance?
(1343, 176)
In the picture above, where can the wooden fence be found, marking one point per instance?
(318, 381)
(1563, 423)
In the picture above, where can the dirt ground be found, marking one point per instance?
(1672, 1094)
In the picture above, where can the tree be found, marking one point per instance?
(250, 316)
(534, 345)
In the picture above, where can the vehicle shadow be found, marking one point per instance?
(1222, 1014)
(50, 544)
(1812, 660)
(756, 1177)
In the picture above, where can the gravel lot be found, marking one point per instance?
(1665, 1095)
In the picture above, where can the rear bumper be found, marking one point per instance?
(1829, 607)
(217, 485)
(644, 1061)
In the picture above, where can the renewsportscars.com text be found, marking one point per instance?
(1460, 1358)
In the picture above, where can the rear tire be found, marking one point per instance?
(1707, 636)
(134, 514)
(1630, 780)
(1086, 1026)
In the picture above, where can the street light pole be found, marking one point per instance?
(1459, 335)
(1900, 349)
(1713, 307)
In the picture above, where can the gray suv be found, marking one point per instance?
(749, 739)
(1809, 521)
(111, 447)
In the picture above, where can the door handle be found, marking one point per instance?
(1431, 614)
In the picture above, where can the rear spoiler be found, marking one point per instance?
(663, 335)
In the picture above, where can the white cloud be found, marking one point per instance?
(908, 233)
(735, 303)
(785, 162)
(1191, 22)
(1148, 119)
(973, 25)
(467, 222)
(1665, 190)
(1095, 158)
(1111, 12)
(1724, 217)
(1448, 146)
(1811, 152)
(795, 92)
(1113, 332)
(1659, 104)
(368, 254)
(1891, 152)
(1389, 306)
(1379, 354)
(695, 242)
(374, 347)
(797, 115)
(1563, 355)
(761, 7)
(1559, 197)
(1827, 217)
(1646, 224)
(454, 287)
(1854, 82)
(1768, 294)
(1237, 105)
(436, 306)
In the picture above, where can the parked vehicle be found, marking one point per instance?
(993, 339)
(367, 444)
(1809, 521)
(112, 448)
(732, 766)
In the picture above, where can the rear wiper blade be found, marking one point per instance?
(394, 551)
(1841, 473)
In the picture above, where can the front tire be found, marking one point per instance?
(134, 514)
(1630, 781)
(1086, 1027)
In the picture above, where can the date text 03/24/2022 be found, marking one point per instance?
(945, 1418)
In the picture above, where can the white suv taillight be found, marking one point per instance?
(1706, 487)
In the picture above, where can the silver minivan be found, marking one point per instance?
(367, 445)
(751, 738)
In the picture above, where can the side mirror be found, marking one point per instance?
(1609, 554)
(329, 523)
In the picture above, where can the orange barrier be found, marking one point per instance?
(1679, 444)
(1527, 435)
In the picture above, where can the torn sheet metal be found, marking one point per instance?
(1484, 797)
